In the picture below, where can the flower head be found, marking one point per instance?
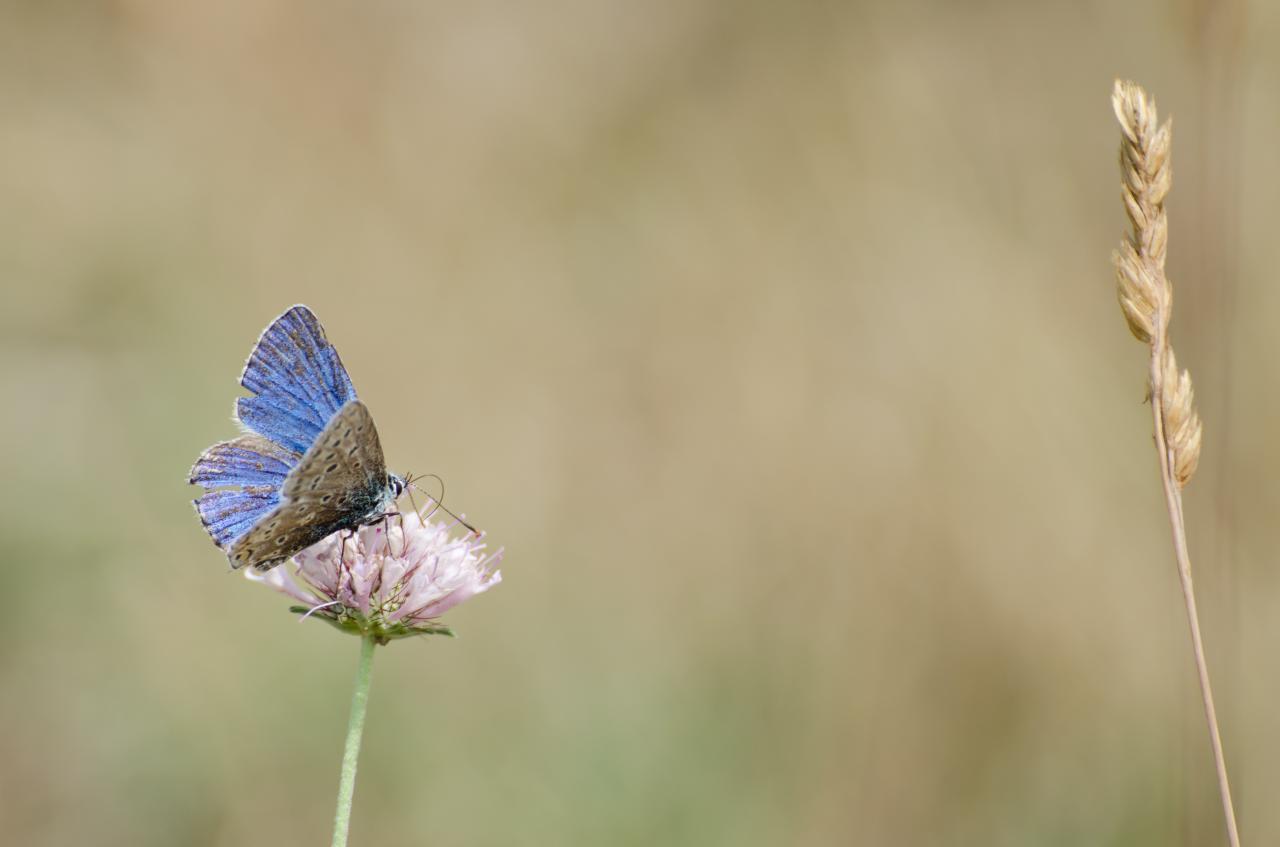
(389, 580)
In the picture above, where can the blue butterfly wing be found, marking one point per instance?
(229, 514)
(298, 385)
(297, 380)
(257, 467)
(249, 460)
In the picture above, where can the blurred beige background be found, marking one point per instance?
(775, 341)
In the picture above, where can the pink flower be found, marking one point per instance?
(389, 580)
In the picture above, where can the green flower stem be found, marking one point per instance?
(355, 729)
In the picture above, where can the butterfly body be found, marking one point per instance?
(311, 464)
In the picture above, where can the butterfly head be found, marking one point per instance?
(396, 485)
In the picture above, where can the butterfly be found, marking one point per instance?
(309, 464)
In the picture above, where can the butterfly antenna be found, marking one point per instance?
(409, 481)
(439, 501)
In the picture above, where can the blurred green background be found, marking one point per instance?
(777, 344)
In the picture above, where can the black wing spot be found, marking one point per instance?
(331, 468)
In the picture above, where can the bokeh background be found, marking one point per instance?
(777, 344)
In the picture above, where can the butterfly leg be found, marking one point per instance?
(385, 520)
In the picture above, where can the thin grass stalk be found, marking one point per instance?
(1173, 502)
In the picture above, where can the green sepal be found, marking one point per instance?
(343, 619)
